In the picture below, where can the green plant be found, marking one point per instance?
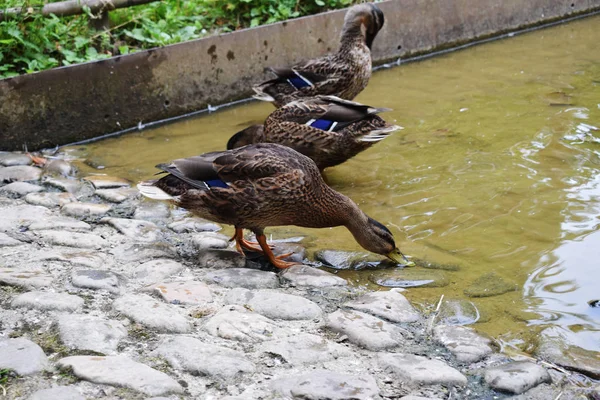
(31, 43)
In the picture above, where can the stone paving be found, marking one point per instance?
(106, 296)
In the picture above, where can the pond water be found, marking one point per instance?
(497, 170)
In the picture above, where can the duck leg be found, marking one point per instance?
(276, 261)
(241, 243)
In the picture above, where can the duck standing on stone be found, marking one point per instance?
(327, 129)
(263, 185)
(343, 74)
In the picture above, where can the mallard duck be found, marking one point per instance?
(344, 74)
(327, 129)
(262, 185)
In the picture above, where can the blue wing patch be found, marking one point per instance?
(216, 183)
(298, 82)
(322, 124)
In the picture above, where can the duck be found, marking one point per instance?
(327, 129)
(344, 74)
(262, 185)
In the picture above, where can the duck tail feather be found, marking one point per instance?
(379, 134)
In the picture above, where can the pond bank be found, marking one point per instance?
(103, 295)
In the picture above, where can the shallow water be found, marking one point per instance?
(497, 169)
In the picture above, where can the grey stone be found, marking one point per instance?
(66, 185)
(330, 385)
(60, 167)
(365, 330)
(96, 279)
(243, 277)
(72, 239)
(83, 210)
(390, 305)
(152, 313)
(117, 195)
(106, 182)
(89, 259)
(22, 356)
(305, 348)
(121, 371)
(411, 397)
(188, 225)
(19, 189)
(143, 251)
(27, 279)
(6, 240)
(516, 377)
(410, 277)
(457, 312)
(12, 218)
(346, 259)
(466, 344)
(152, 210)
(210, 240)
(48, 301)
(56, 223)
(273, 304)
(220, 259)
(142, 231)
(194, 356)
(49, 199)
(156, 270)
(417, 370)
(86, 332)
(297, 253)
(188, 292)
(304, 275)
(58, 393)
(238, 323)
(20, 173)
(490, 284)
(13, 159)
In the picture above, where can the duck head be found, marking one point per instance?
(375, 237)
(366, 18)
(250, 135)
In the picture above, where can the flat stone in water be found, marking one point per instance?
(58, 393)
(466, 344)
(330, 385)
(71, 239)
(121, 371)
(140, 230)
(490, 284)
(189, 292)
(273, 304)
(49, 199)
(117, 195)
(220, 259)
(366, 331)
(210, 240)
(390, 305)
(347, 259)
(27, 279)
(457, 312)
(409, 277)
(13, 159)
(305, 348)
(192, 355)
(417, 370)
(96, 279)
(152, 313)
(58, 223)
(20, 189)
(64, 184)
(188, 225)
(59, 167)
(238, 323)
(20, 173)
(243, 277)
(152, 210)
(156, 270)
(304, 275)
(48, 301)
(22, 356)
(106, 182)
(516, 377)
(83, 210)
(86, 332)
(6, 240)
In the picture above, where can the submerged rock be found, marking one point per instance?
(490, 284)
(457, 312)
(106, 182)
(347, 259)
(409, 277)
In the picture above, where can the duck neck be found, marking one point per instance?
(352, 37)
(354, 220)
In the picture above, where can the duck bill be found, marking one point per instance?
(397, 257)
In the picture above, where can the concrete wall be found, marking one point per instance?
(79, 102)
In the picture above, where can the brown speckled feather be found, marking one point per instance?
(344, 74)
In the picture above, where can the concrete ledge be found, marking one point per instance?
(74, 103)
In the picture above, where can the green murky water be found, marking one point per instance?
(497, 169)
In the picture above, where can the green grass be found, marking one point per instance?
(39, 43)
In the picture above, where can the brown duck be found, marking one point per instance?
(264, 185)
(344, 74)
(327, 129)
